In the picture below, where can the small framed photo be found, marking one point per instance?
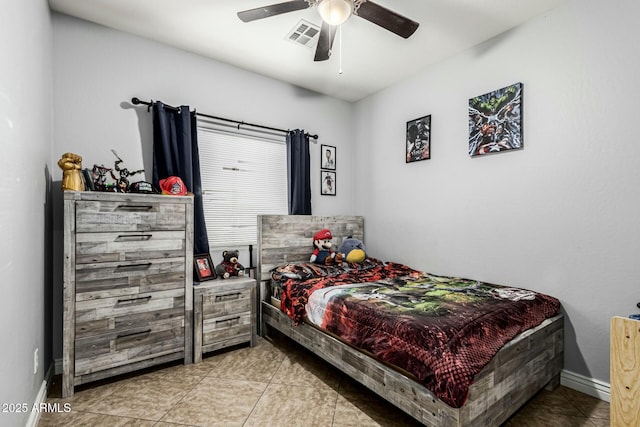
(203, 267)
(418, 139)
(328, 157)
(327, 183)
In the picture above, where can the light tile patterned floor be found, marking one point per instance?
(272, 384)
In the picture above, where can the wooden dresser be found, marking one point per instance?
(625, 372)
(128, 267)
(224, 314)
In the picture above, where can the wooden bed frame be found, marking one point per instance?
(531, 361)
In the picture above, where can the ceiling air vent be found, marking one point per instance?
(304, 33)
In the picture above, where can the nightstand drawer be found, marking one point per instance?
(219, 329)
(129, 216)
(225, 303)
(111, 279)
(128, 246)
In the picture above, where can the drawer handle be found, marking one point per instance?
(228, 297)
(134, 266)
(229, 322)
(134, 208)
(148, 331)
(133, 237)
(134, 300)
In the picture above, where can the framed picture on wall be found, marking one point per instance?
(495, 121)
(327, 183)
(203, 267)
(328, 157)
(418, 139)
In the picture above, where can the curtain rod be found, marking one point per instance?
(137, 101)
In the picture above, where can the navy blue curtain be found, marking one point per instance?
(175, 153)
(299, 175)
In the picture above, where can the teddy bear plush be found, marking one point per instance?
(229, 266)
(323, 254)
(352, 250)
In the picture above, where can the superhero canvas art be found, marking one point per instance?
(495, 121)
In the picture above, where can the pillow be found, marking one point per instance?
(309, 270)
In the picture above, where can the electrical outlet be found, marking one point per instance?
(35, 361)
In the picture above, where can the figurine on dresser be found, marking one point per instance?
(99, 175)
(71, 165)
(122, 183)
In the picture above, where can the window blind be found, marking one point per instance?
(244, 174)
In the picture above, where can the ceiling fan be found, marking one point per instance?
(333, 14)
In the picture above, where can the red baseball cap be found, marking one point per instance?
(323, 234)
(173, 186)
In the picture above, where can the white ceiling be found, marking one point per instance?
(372, 58)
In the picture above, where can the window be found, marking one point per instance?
(244, 174)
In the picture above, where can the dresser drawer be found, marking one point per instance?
(121, 347)
(110, 332)
(128, 246)
(236, 327)
(111, 279)
(225, 303)
(129, 216)
(121, 313)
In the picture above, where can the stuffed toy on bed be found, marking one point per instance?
(323, 254)
(352, 250)
(229, 266)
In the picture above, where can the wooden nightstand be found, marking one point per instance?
(224, 314)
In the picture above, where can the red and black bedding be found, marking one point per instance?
(441, 330)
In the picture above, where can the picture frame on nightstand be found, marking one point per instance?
(203, 267)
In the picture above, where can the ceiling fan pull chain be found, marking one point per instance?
(340, 42)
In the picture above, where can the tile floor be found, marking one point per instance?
(263, 386)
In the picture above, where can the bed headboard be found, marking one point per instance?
(289, 238)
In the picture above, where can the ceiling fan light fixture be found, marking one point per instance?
(334, 12)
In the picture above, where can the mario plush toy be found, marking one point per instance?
(322, 254)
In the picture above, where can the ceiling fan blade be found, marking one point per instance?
(387, 19)
(325, 42)
(272, 10)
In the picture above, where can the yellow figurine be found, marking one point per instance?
(71, 165)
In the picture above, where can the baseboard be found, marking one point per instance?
(34, 417)
(590, 386)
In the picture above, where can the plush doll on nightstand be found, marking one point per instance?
(322, 254)
(352, 250)
(229, 266)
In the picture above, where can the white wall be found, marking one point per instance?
(559, 216)
(25, 176)
(98, 71)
